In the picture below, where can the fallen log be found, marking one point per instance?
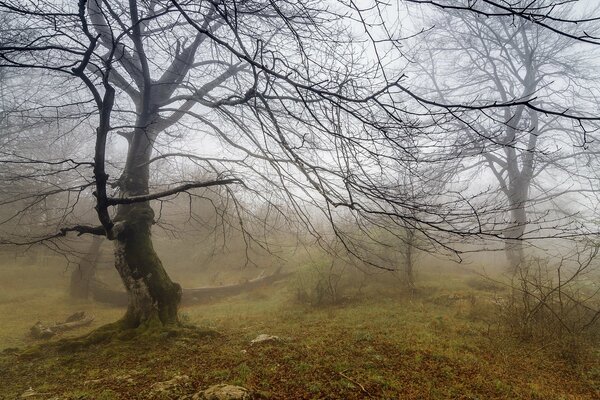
(103, 293)
(77, 320)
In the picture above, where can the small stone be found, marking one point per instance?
(262, 338)
(224, 392)
(166, 386)
(31, 393)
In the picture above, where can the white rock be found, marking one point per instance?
(224, 392)
(31, 393)
(265, 338)
(166, 386)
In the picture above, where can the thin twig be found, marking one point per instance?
(356, 383)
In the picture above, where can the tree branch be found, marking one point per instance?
(112, 201)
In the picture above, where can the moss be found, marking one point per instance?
(142, 271)
(31, 352)
(10, 350)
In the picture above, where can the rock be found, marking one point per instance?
(224, 392)
(166, 386)
(40, 331)
(31, 393)
(77, 320)
(262, 338)
(78, 316)
(28, 393)
(93, 381)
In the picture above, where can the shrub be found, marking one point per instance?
(327, 283)
(554, 305)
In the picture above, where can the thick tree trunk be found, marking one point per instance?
(152, 296)
(82, 276)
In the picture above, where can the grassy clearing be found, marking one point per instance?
(383, 345)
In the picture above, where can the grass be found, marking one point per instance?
(382, 345)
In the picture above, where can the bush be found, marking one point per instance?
(554, 305)
(327, 283)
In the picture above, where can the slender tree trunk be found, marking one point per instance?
(514, 244)
(515, 253)
(409, 260)
(82, 275)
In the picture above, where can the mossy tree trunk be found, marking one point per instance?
(153, 297)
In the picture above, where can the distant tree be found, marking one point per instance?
(547, 14)
(534, 158)
(85, 271)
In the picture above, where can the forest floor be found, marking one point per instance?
(381, 344)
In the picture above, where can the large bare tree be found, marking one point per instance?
(249, 73)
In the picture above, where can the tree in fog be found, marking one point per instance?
(300, 105)
(534, 158)
(552, 15)
(251, 74)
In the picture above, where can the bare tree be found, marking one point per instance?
(83, 274)
(529, 154)
(156, 70)
(547, 14)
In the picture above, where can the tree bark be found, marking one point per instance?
(409, 278)
(152, 296)
(518, 221)
(513, 244)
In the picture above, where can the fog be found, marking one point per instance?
(299, 199)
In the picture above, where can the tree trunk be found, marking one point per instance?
(513, 243)
(152, 296)
(82, 275)
(409, 260)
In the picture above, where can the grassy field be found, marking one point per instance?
(381, 344)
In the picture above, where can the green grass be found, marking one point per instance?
(382, 345)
